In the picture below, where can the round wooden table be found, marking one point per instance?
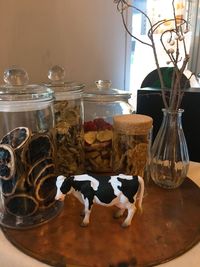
(168, 227)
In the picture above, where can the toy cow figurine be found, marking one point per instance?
(119, 190)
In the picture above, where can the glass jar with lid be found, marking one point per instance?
(27, 152)
(101, 104)
(68, 109)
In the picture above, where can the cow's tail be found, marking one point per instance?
(140, 194)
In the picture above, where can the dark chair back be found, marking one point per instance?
(152, 79)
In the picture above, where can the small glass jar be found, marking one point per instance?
(101, 104)
(27, 153)
(68, 109)
(131, 143)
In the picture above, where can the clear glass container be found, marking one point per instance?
(27, 153)
(131, 144)
(101, 104)
(68, 109)
(169, 156)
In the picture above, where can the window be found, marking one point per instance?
(142, 59)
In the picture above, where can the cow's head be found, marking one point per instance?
(63, 185)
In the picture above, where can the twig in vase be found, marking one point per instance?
(171, 39)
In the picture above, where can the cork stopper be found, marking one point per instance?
(132, 124)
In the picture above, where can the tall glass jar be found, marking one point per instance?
(27, 153)
(101, 104)
(68, 109)
(131, 144)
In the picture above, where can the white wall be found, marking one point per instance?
(86, 37)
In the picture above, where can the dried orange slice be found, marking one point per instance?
(48, 201)
(17, 137)
(9, 186)
(38, 168)
(103, 136)
(7, 162)
(39, 147)
(90, 137)
(45, 187)
(21, 205)
(47, 170)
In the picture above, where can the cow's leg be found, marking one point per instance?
(119, 213)
(131, 211)
(87, 212)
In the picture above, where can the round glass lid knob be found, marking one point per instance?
(103, 84)
(15, 76)
(56, 73)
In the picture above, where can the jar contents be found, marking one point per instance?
(69, 137)
(131, 143)
(27, 171)
(98, 136)
(68, 111)
(27, 153)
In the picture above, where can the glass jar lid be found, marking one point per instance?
(63, 90)
(104, 92)
(17, 95)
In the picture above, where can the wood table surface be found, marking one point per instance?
(168, 227)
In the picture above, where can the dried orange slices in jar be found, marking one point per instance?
(27, 171)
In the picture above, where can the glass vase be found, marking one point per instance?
(169, 154)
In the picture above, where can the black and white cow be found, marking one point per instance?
(119, 190)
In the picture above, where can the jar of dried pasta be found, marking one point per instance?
(131, 143)
(68, 110)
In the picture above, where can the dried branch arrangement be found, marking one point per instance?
(171, 39)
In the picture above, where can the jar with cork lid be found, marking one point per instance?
(131, 143)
